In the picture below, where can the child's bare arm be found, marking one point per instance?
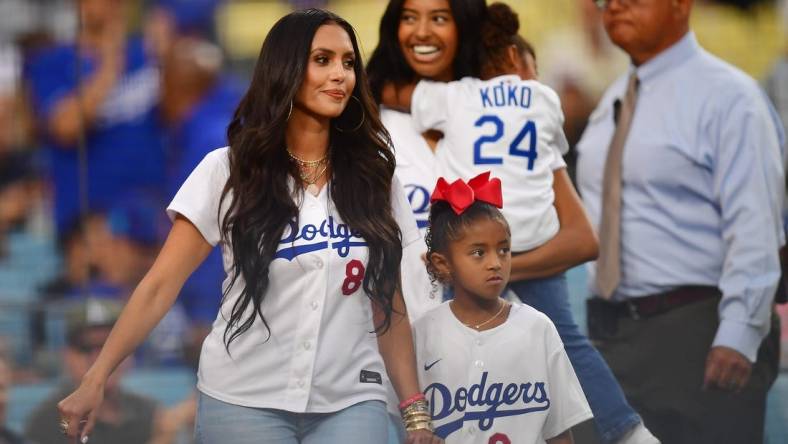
(397, 96)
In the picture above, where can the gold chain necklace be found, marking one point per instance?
(478, 326)
(315, 166)
(307, 163)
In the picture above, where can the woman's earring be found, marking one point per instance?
(289, 111)
(363, 116)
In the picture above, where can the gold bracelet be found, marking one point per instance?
(420, 421)
(416, 419)
(418, 406)
(421, 425)
(417, 416)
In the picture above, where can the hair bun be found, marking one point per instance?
(501, 24)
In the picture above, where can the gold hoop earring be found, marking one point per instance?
(363, 116)
(289, 111)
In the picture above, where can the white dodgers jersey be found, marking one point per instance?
(320, 354)
(510, 384)
(509, 126)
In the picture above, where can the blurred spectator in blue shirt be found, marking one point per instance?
(104, 86)
(168, 19)
(198, 101)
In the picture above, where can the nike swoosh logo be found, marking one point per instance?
(428, 367)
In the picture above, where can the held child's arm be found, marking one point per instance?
(564, 438)
(574, 243)
(397, 96)
(183, 251)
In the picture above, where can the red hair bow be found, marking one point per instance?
(461, 195)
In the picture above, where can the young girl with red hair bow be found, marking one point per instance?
(494, 371)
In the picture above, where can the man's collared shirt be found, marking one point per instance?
(703, 187)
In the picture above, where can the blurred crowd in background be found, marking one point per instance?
(83, 183)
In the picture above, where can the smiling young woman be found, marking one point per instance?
(428, 38)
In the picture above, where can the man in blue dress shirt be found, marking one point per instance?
(680, 170)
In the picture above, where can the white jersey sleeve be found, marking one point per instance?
(400, 209)
(558, 140)
(558, 163)
(568, 405)
(429, 105)
(198, 198)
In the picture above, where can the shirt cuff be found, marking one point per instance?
(739, 336)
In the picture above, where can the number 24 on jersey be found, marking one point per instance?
(526, 136)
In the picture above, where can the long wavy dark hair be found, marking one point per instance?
(261, 204)
(388, 64)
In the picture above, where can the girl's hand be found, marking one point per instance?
(78, 410)
(422, 437)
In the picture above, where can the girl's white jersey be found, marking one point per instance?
(509, 384)
(509, 126)
(320, 355)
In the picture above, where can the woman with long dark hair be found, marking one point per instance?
(441, 40)
(419, 39)
(312, 223)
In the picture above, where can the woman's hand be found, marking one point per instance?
(422, 437)
(78, 411)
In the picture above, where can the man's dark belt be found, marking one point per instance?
(647, 306)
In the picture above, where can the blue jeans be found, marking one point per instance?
(613, 415)
(219, 422)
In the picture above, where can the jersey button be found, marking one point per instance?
(479, 363)
(314, 305)
(307, 345)
(301, 383)
(318, 263)
(478, 342)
